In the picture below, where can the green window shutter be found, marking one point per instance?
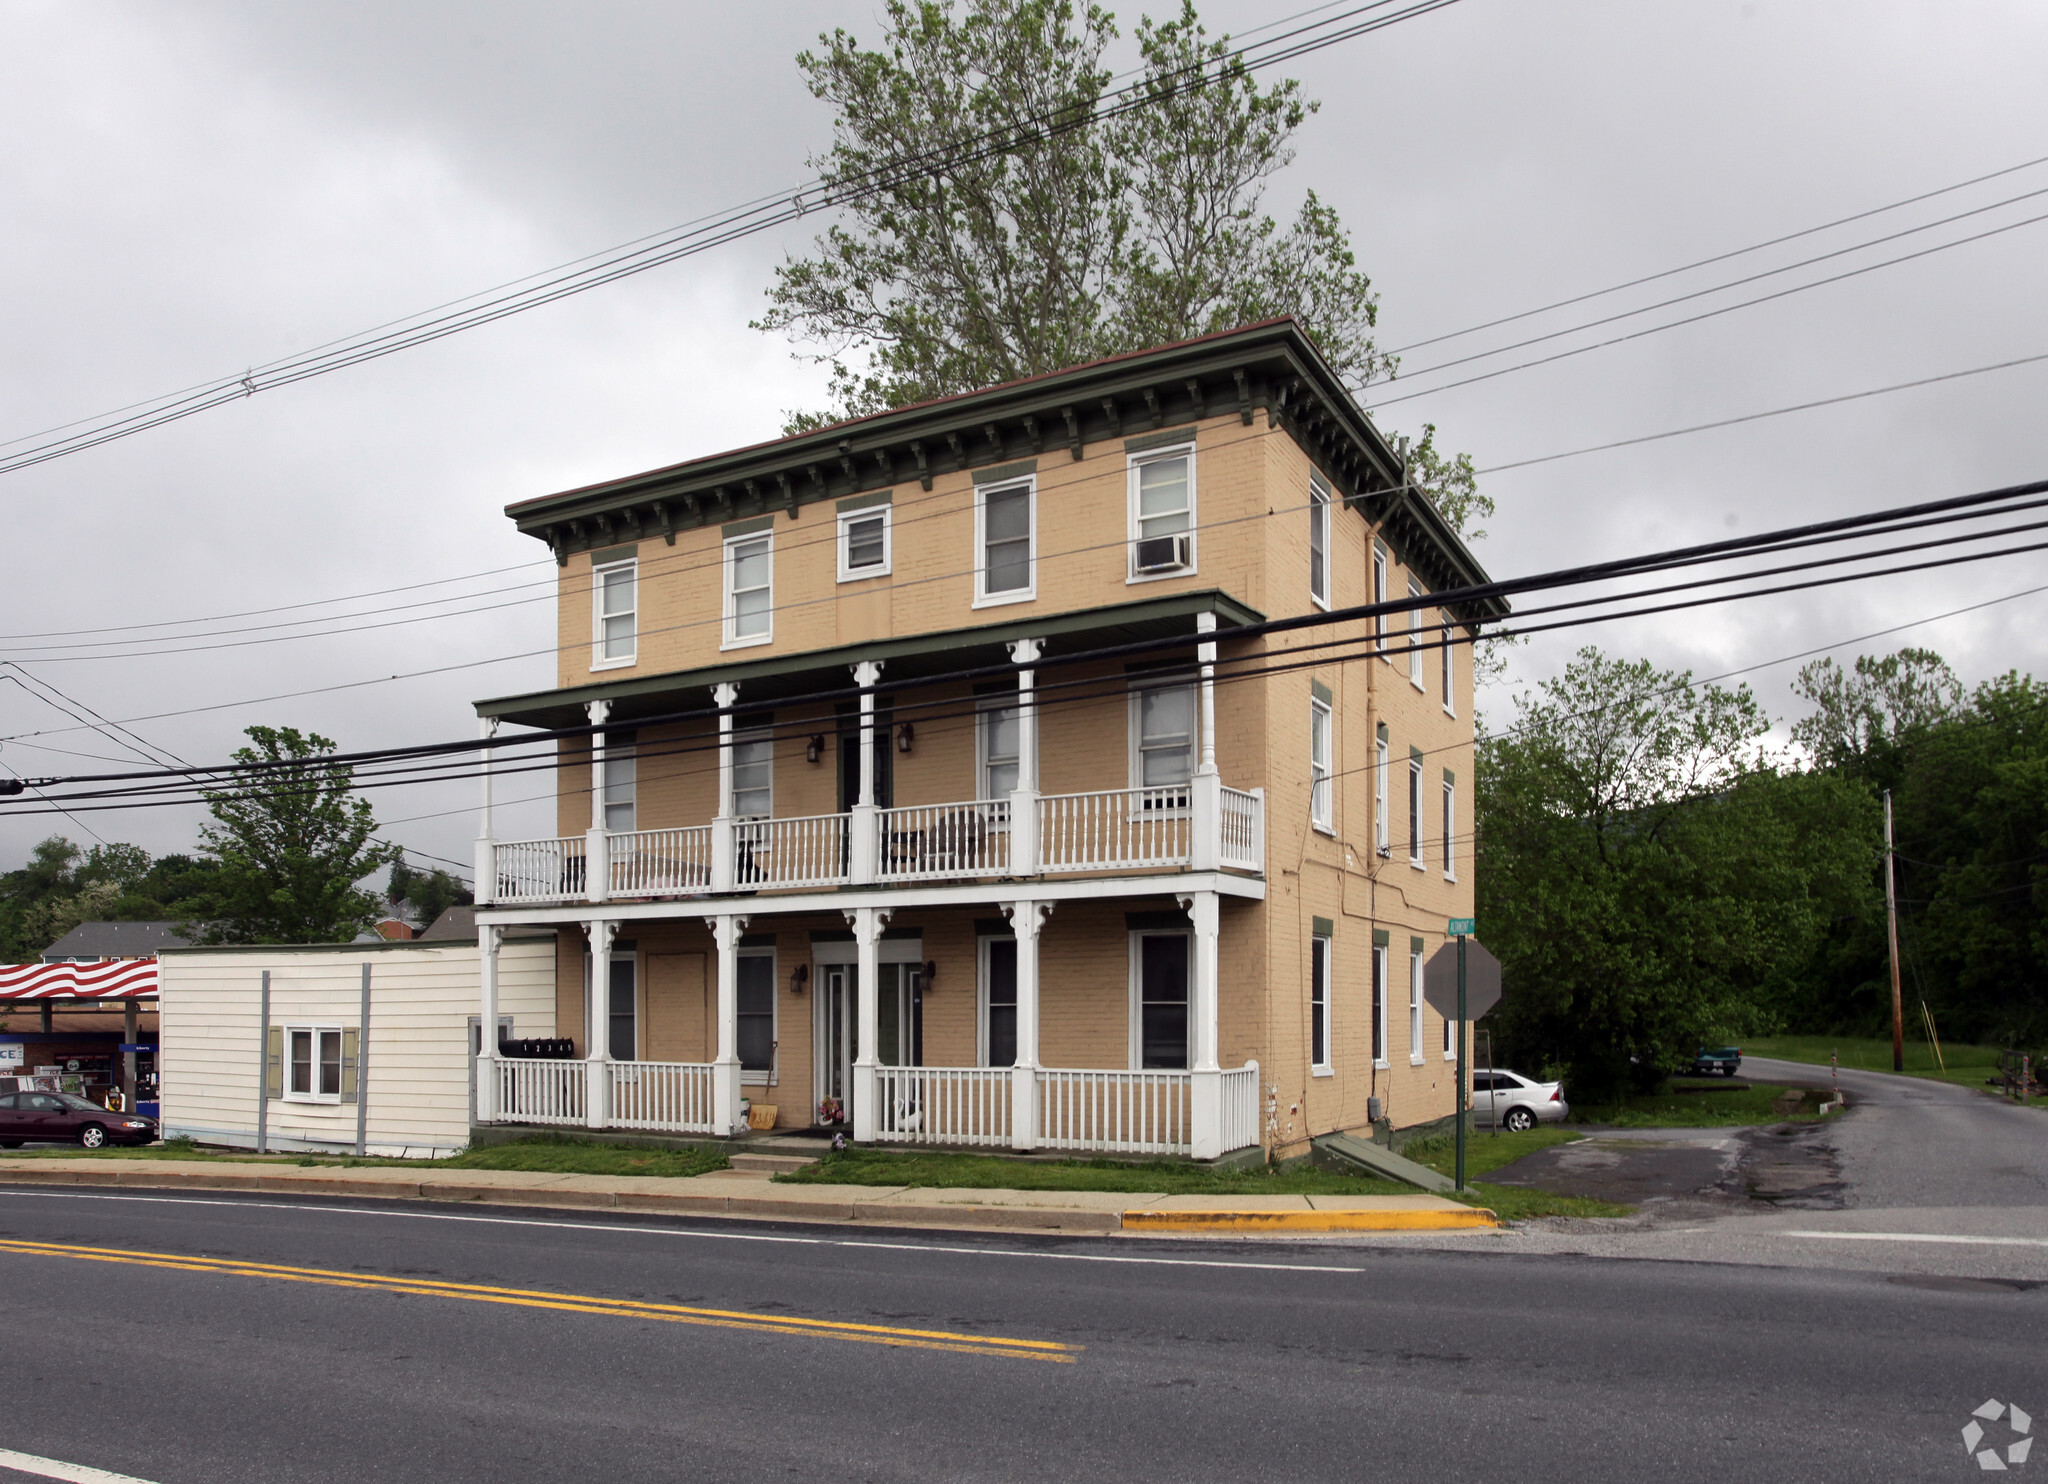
(1324, 927)
(273, 1064)
(1380, 938)
(349, 1041)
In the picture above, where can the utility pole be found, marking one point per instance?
(1891, 915)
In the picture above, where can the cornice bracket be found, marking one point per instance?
(1244, 395)
(1116, 420)
(924, 471)
(668, 529)
(995, 439)
(1152, 406)
(1031, 432)
(1194, 387)
(1073, 430)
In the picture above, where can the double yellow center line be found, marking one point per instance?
(569, 1303)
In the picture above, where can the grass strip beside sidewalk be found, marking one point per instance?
(1486, 1151)
(1164, 1177)
(550, 1153)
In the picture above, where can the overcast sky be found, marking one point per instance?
(193, 188)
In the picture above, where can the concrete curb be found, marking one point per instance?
(1252, 1223)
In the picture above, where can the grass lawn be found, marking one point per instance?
(1485, 1152)
(557, 1153)
(1707, 1102)
(1967, 1066)
(983, 1172)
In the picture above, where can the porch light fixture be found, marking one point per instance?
(904, 736)
(798, 977)
(815, 748)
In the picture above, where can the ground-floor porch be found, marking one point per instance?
(1096, 1019)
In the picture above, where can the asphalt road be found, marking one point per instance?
(146, 1342)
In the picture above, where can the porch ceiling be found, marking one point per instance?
(766, 682)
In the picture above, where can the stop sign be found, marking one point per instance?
(1482, 981)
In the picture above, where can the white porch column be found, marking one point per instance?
(597, 869)
(1026, 918)
(1205, 789)
(597, 1023)
(487, 1049)
(1205, 1091)
(1024, 798)
(486, 843)
(723, 696)
(868, 923)
(864, 855)
(725, 1068)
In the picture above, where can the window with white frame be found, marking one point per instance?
(1415, 1003)
(1450, 826)
(1318, 543)
(312, 1063)
(1321, 807)
(1162, 489)
(615, 613)
(1319, 1003)
(1006, 541)
(997, 742)
(1414, 634)
(864, 543)
(1159, 963)
(1450, 675)
(749, 590)
(1162, 739)
(1380, 956)
(753, 774)
(621, 783)
(1379, 596)
(622, 1003)
(755, 983)
(1382, 824)
(1415, 812)
(998, 1001)
(1450, 1039)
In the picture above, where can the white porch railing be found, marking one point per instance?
(672, 1096)
(1243, 843)
(935, 842)
(666, 863)
(1115, 1112)
(1115, 829)
(806, 851)
(541, 1091)
(1241, 1107)
(539, 870)
(944, 1105)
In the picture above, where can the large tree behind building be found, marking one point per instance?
(288, 845)
(996, 253)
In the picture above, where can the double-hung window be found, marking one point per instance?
(1006, 542)
(1318, 543)
(621, 1004)
(999, 1001)
(312, 1063)
(1382, 825)
(1414, 634)
(1415, 812)
(1380, 954)
(749, 590)
(1162, 492)
(615, 613)
(1379, 598)
(753, 774)
(864, 543)
(1162, 741)
(1319, 1003)
(755, 983)
(1450, 826)
(1415, 1001)
(998, 745)
(621, 783)
(1321, 808)
(1162, 974)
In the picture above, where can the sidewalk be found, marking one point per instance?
(751, 1194)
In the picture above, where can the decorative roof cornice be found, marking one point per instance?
(1271, 368)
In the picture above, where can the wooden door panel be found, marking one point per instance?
(680, 1022)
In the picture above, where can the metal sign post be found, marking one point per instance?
(1462, 1118)
(1462, 984)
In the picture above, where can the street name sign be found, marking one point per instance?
(1482, 980)
(1464, 927)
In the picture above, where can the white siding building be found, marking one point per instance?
(366, 1047)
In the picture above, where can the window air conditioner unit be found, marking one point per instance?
(1162, 553)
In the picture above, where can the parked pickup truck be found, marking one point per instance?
(1727, 1060)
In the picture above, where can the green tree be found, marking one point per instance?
(975, 265)
(287, 847)
(1864, 716)
(426, 894)
(1648, 875)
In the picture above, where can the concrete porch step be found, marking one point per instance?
(772, 1164)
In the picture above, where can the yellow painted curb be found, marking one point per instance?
(1463, 1219)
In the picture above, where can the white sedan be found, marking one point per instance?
(1514, 1102)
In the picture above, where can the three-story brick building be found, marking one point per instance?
(985, 772)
